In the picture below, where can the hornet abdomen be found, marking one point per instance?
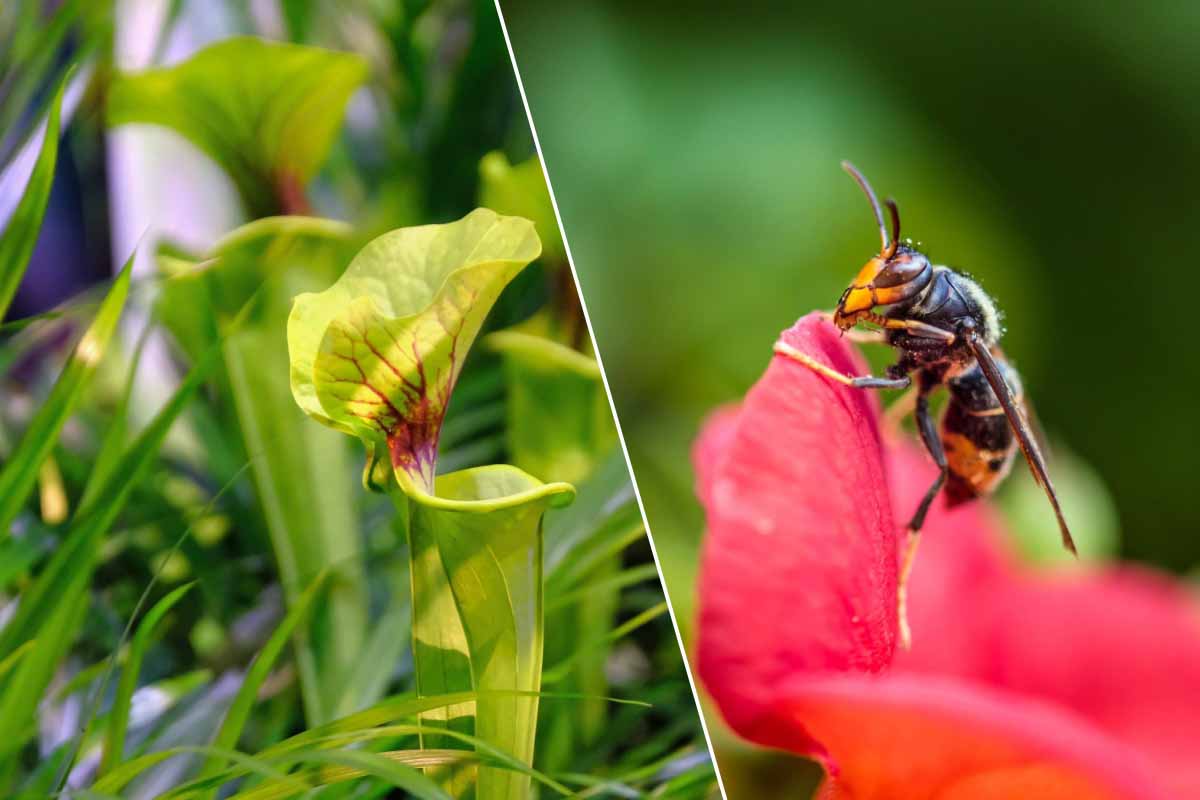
(977, 437)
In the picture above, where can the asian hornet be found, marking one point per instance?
(946, 331)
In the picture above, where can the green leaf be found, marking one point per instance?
(559, 420)
(246, 262)
(477, 563)
(21, 233)
(299, 15)
(441, 653)
(266, 112)
(119, 719)
(19, 474)
(521, 190)
(301, 471)
(377, 354)
(239, 711)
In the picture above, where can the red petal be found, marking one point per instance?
(932, 727)
(1118, 647)
(904, 737)
(1079, 685)
(799, 566)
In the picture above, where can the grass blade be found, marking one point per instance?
(384, 649)
(118, 722)
(382, 713)
(561, 669)
(235, 719)
(113, 443)
(121, 775)
(19, 475)
(21, 234)
(18, 325)
(380, 765)
(52, 606)
(494, 757)
(107, 666)
(362, 727)
(274, 790)
(584, 545)
(24, 689)
(11, 661)
(620, 580)
(485, 754)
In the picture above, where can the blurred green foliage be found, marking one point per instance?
(1042, 149)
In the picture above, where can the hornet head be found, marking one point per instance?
(898, 273)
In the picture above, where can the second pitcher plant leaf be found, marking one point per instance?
(267, 112)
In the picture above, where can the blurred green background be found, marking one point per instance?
(1049, 150)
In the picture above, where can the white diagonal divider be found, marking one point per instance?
(608, 392)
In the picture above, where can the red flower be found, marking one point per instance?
(1078, 683)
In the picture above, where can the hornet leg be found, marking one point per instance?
(933, 444)
(858, 335)
(860, 382)
(921, 329)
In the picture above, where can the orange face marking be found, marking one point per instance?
(863, 294)
(866, 276)
(886, 295)
(860, 296)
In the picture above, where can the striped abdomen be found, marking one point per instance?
(978, 440)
